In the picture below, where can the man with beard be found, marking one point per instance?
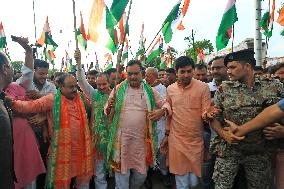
(99, 122)
(171, 76)
(7, 175)
(132, 142)
(71, 152)
(240, 100)
(187, 103)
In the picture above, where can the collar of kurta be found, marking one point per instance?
(186, 87)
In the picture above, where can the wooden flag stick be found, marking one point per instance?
(74, 14)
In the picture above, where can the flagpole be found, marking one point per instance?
(258, 37)
(155, 37)
(233, 37)
(35, 28)
(74, 14)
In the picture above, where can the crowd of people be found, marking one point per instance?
(215, 125)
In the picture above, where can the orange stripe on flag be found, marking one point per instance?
(95, 19)
(280, 19)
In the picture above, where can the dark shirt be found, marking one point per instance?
(6, 148)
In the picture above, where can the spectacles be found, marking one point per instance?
(133, 73)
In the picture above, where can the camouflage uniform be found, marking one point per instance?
(241, 104)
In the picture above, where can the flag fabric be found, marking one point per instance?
(169, 54)
(109, 63)
(49, 54)
(171, 21)
(156, 50)
(125, 51)
(95, 19)
(183, 13)
(200, 56)
(280, 18)
(114, 22)
(82, 37)
(46, 37)
(3, 42)
(163, 64)
(266, 22)
(225, 28)
(141, 49)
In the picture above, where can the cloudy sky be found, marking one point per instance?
(203, 16)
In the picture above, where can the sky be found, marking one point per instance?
(203, 16)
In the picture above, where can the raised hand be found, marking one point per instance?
(77, 56)
(23, 41)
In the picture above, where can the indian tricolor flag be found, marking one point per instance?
(174, 19)
(280, 19)
(82, 37)
(46, 37)
(3, 41)
(156, 50)
(225, 28)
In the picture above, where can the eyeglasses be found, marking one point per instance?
(133, 73)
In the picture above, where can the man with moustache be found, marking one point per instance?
(71, 150)
(240, 100)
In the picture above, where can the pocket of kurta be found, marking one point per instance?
(193, 103)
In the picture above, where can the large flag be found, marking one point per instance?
(3, 42)
(82, 37)
(156, 50)
(174, 19)
(170, 21)
(225, 28)
(280, 18)
(46, 37)
(266, 22)
(183, 12)
(95, 19)
(114, 22)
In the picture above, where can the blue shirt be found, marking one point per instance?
(281, 104)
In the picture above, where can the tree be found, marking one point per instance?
(17, 65)
(205, 44)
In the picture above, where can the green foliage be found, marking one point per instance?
(205, 44)
(17, 65)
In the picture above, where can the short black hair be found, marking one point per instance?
(100, 74)
(111, 70)
(217, 58)
(183, 61)
(58, 74)
(200, 66)
(3, 59)
(258, 68)
(62, 78)
(134, 62)
(171, 70)
(161, 70)
(40, 64)
(92, 72)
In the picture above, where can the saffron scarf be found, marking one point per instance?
(151, 138)
(59, 165)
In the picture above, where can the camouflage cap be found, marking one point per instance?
(242, 55)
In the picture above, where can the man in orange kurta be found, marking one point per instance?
(187, 103)
(73, 150)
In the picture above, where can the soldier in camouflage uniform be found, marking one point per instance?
(240, 100)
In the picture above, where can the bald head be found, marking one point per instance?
(151, 75)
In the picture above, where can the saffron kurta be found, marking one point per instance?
(45, 104)
(186, 107)
(133, 128)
